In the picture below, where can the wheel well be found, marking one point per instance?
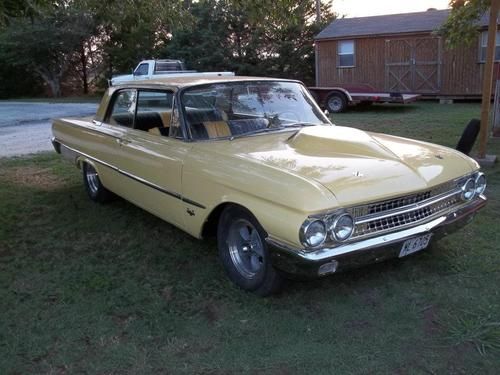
(210, 226)
(338, 92)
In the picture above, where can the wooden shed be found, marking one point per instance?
(401, 53)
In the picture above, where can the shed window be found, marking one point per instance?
(345, 52)
(484, 43)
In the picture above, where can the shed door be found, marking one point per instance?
(413, 65)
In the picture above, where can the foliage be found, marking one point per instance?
(252, 38)
(87, 41)
(132, 30)
(18, 81)
(461, 26)
(47, 43)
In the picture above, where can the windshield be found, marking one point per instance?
(236, 109)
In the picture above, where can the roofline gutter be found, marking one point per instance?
(343, 37)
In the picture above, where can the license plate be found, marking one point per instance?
(415, 244)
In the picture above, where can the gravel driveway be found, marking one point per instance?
(25, 126)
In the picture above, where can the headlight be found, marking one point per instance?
(342, 227)
(480, 183)
(313, 233)
(468, 190)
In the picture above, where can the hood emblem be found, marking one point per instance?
(358, 174)
(440, 157)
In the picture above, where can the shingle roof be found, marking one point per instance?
(388, 24)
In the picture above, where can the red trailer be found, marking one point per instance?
(336, 99)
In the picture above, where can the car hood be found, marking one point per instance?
(354, 165)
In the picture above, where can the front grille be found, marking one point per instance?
(399, 212)
(376, 225)
(397, 203)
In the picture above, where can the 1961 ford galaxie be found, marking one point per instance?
(255, 162)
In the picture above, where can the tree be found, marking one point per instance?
(132, 30)
(260, 37)
(461, 25)
(46, 44)
(461, 28)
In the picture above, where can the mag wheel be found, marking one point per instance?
(244, 254)
(95, 189)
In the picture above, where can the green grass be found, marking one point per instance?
(102, 289)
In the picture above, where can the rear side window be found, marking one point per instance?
(168, 66)
(123, 110)
(154, 111)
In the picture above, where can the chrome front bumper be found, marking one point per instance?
(375, 249)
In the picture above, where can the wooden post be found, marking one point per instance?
(488, 78)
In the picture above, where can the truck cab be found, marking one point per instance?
(148, 69)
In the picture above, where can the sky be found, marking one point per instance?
(362, 8)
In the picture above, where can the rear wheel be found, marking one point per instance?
(336, 102)
(244, 254)
(95, 189)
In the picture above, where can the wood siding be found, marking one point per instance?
(411, 63)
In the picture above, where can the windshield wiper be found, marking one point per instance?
(298, 124)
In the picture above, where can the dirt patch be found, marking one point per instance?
(32, 177)
(431, 324)
(370, 297)
(212, 312)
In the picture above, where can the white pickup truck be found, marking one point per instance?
(148, 69)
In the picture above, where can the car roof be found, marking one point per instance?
(195, 81)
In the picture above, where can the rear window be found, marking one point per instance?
(168, 66)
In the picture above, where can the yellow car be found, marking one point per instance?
(256, 163)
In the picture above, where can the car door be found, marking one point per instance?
(100, 141)
(151, 159)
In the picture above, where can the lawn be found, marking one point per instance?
(104, 289)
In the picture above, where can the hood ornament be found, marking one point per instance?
(440, 157)
(358, 174)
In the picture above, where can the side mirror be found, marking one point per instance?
(326, 113)
(133, 72)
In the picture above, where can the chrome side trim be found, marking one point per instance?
(134, 177)
(327, 253)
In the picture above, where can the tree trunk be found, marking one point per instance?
(53, 81)
(55, 87)
(83, 60)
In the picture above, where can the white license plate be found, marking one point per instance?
(415, 244)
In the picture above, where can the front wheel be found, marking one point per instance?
(244, 254)
(93, 185)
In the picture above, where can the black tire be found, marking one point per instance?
(336, 102)
(93, 185)
(469, 136)
(250, 269)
